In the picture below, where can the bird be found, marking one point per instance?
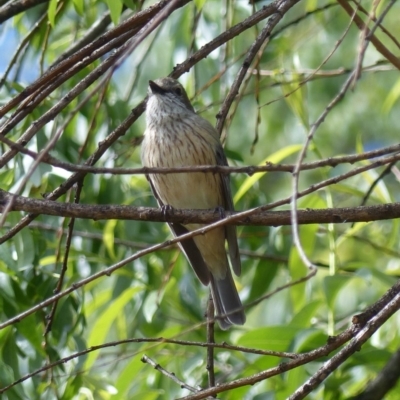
(176, 136)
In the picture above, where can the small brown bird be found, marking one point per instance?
(176, 136)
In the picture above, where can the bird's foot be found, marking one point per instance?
(167, 209)
(221, 211)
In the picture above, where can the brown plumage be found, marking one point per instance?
(176, 136)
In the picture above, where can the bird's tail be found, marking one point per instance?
(226, 301)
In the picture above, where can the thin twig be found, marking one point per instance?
(147, 360)
(384, 30)
(296, 173)
(50, 316)
(385, 172)
(252, 52)
(367, 34)
(250, 169)
(374, 40)
(210, 339)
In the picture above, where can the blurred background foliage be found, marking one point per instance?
(158, 295)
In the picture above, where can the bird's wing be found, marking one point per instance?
(229, 229)
(192, 253)
(188, 246)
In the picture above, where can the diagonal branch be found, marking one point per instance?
(16, 7)
(374, 40)
(363, 334)
(147, 360)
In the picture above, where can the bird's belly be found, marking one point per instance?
(186, 190)
(189, 190)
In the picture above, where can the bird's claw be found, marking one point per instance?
(221, 211)
(167, 209)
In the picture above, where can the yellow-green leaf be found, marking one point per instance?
(115, 7)
(273, 158)
(51, 12)
(103, 324)
(108, 237)
(391, 98)
(79, 6)
(276, 338)
(199, 4)
(296, 98)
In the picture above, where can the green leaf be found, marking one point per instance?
(333, 285)
(276, 338)
(295, 378)
(6, 374)
(233, 155)
(79, 7)
(304, 316)
(32, 331)
(150, 305)
(108, 237)
(296, 98)
(104, 322)
(124, 380)
(356, 228)
(151, 394)
(51, 12)
(297, 268)
(391, 98)
(381, 192)
(6, 178)
(265, 273)
(309, 340)
(115, 7)
(199, 4)
(130, 4)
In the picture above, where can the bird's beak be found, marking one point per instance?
(155, 88)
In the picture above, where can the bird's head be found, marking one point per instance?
(169, 91)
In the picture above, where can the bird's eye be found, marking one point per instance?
(178, 91)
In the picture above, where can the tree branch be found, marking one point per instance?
(15, 7)
(258, 217)
(363, 333)
(90, 35)
(374, 40)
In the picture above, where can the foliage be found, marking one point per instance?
(288, 86)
